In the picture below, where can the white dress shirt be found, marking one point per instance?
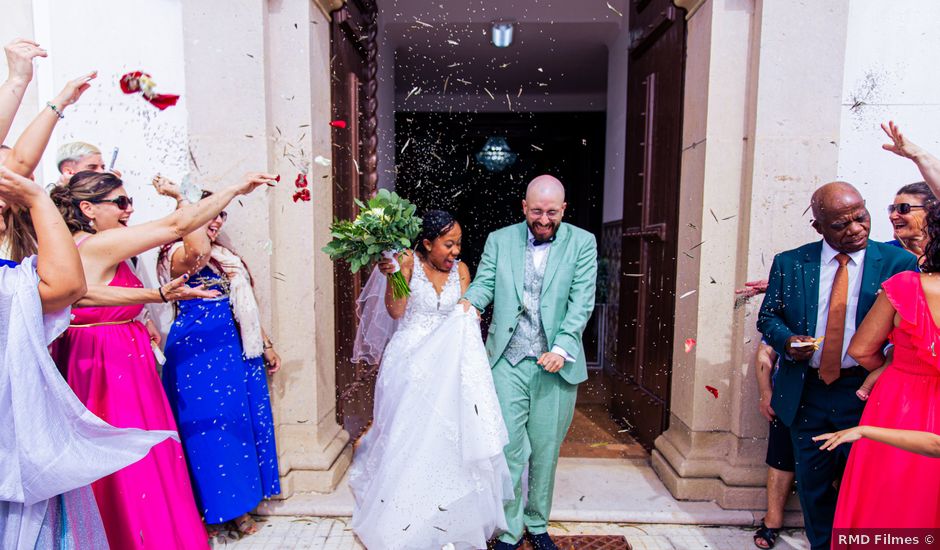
(828, 265)
(539, 256)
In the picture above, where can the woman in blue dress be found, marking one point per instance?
(214, 377)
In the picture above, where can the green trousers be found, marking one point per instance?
(537, 407)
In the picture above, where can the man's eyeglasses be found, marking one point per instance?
(121, 201)
(903, 208)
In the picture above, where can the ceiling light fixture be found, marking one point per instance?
(502, 33)
(496, 155)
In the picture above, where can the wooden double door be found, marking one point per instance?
(640, 376)
(353, 68)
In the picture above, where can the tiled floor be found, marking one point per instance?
(593, 434)
(285, 532)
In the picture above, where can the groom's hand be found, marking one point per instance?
(467, 305)
(551, 362)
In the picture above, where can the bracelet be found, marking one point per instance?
(162, 297)
(55, 110)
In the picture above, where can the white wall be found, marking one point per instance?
(113, 38)
(892, 56)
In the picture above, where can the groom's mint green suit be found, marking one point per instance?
(537, 307)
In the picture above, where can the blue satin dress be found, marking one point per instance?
(221, 403)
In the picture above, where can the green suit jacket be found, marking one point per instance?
(567, 291)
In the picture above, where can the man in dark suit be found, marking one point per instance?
(824, 289)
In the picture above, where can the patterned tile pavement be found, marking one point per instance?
(285, 532)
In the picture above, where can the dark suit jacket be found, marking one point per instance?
(792, 301)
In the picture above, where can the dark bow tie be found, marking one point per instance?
(539, 242)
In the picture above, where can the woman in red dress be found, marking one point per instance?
(884, 484)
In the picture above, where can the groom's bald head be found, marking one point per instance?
(544, 206)
(545, 186)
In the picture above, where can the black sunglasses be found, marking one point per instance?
(121, 201)
(904, 208)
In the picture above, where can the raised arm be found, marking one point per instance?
(481, 291)
(928, 164)
(867, 346)
(28, 150)
(194, 254)
(580, 300)
(20, 54)
(107, 248)
(61, 278)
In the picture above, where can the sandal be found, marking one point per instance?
(246, 525)
(766, 534)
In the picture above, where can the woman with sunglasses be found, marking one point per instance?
(215, 380)
(106, 357)
(908, 217)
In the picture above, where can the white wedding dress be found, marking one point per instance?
(430, 471)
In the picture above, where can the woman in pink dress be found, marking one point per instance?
(884, 485)
(107, 359)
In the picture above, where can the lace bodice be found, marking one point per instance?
(426, 310)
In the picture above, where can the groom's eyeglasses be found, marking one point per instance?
(121, 201)
(903, 208)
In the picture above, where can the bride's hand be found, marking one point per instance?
(467, 306)
(386, 266)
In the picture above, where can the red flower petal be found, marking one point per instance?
(278, 178)
(713, 391)
(302, 195)
(338, 124)
(301, 180)
(689, 344)
(162, 101)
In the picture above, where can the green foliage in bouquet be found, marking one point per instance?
(387, 222)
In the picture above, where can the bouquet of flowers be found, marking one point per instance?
(385, 225)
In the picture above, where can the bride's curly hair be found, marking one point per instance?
(932, 250)
(434, 223)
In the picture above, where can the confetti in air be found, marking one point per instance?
(712, 390)
(322, 161)
(689, 344)
(341, 124)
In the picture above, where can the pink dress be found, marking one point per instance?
(884, 486)
(111, 368)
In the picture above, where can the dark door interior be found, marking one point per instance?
(640, 376)
(437, 167)
(352, 41)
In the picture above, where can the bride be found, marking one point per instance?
(430, 472)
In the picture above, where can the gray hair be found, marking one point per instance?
(74, 152)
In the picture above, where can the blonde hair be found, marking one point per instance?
(73, 152)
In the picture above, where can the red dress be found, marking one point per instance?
(883, 486)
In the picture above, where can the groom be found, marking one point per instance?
(540, 276)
